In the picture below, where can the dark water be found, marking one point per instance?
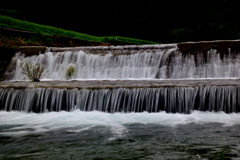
(137, 141)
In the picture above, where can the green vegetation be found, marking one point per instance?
(70, 72)
(13, 42)
(6, 21)
(9, 42)
(33, 72)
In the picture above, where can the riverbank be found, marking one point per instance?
(58, 37)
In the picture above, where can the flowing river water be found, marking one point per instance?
(98, 135)
(123, 102)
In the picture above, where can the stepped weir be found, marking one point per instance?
(173, 101)
(150, 78)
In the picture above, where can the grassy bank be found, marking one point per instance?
(10, 22)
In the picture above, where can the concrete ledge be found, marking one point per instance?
(103, 48)
(109, 84)
(222, 46)
(32, 50)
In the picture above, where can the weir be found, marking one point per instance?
(150, 78)
(130, 62)
(169, 99)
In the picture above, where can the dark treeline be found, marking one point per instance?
(160, 21)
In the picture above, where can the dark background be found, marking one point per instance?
(155, 20)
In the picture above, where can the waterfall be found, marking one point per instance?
(151, 62)
(169, 99)
(160, 68)
(121, 99)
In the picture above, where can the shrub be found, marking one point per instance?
(33, 72)
(70, 71)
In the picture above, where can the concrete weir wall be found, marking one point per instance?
(222, 47)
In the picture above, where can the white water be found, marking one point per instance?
(78, 121)
(94, 66)
(133, 64)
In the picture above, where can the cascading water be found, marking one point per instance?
(152, 62)
(173, 99)
(121, 124)
(122, 63)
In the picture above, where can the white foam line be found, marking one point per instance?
(80, 121)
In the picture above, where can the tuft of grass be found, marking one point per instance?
(6, 21)
(70, 72)
(33, 72)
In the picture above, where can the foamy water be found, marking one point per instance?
(22, 123)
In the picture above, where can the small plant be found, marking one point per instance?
(70, 72)
(33, 72)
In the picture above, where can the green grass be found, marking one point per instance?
(6, 21)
